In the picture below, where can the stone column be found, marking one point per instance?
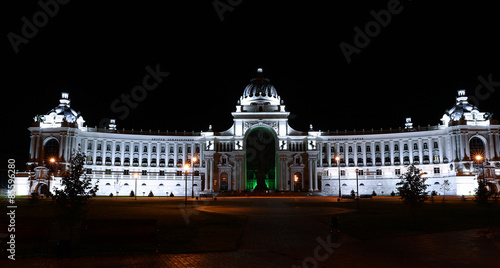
(391, 148)
(95, 152)
(315, 174)
(329, 153)
(420, 150)
(440, 148)
(310, 175)
(410, 149)
(113, 152)
(382, 152)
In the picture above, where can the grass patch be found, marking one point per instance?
(382, 219)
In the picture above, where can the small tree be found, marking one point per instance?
(412, 189)
(445, 187)
(74, 196)
(353, 194)
(374, 193)
(482, 194)
(132, 194)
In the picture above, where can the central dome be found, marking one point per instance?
(260, 90)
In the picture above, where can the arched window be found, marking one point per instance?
(117, 148)
(127, 148)
(145, 149)
(136, 149)
(341, 149)
(426, 146)
(436, 146)
(415, 146)
(377, 148)
(386, 148)
(368, 149)
(350, 149)
(359, 149)
(154, 149)
(108, 147)
(89, 146)
(476, 146)
(396, 147)
(405, 147)
(51, 147)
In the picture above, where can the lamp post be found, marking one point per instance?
(480, 159)
(186, 167)
(357, 188)
(337, 158)
(192, 175)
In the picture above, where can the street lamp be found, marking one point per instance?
(337, 158)
(135, 177)
(479, 158)
(357, 187)
(186, 167)
(192, 175)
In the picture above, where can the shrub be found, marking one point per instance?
(132, 194)
(151, 194)
(111, 195)
(374, 193)
(434, 193)
(393, 194)
(353, 193)
(171, 194)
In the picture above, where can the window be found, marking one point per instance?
(386, 148)
(436, 145)
(89, 146)
(368, 149)
(180, 150)
(108, 184)
(126, 172)
(379, 172)
(162, 172)
(108, 147)
(436, 170)
(98, 146)
(425, 146)
(405, 147)
(171, 150)
(144, 172)
(341, 149)
(377, 148)
(360, 172)
(163, 149)
(342, 173)
(415, 146)
(108, 171)
(350, 149)
(397, 171)
(145, 149)
(126, 184)
(297, 160)
(154, 149)
(136, 149)
(361, 184)
(117, 148)
(359, 149)
(396, 147)
(127, 148)
(89, 171)
(143, 184)
(189, 149)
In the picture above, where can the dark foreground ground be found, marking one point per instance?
(264, 232)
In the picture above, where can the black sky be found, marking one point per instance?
(97, 51)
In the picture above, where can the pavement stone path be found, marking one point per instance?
(277, 235)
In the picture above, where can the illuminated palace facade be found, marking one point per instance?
(262, 147)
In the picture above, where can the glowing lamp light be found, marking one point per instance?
(296, 178)
(186, 167)
(52, 160)
(337, 158)
(479, 157)
(194, 159)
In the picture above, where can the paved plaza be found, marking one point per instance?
(279, 235)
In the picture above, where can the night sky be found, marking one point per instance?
(98, 51)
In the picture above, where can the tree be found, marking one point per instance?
(445, 187)
(73, 198)
(482, 194)
(412, 189)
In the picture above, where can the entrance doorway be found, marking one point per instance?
(260, 146)
(223, 182)
(297, 182)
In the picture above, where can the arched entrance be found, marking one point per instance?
(42, 188)
(223, 182)
(260, 155)
(297, 181)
